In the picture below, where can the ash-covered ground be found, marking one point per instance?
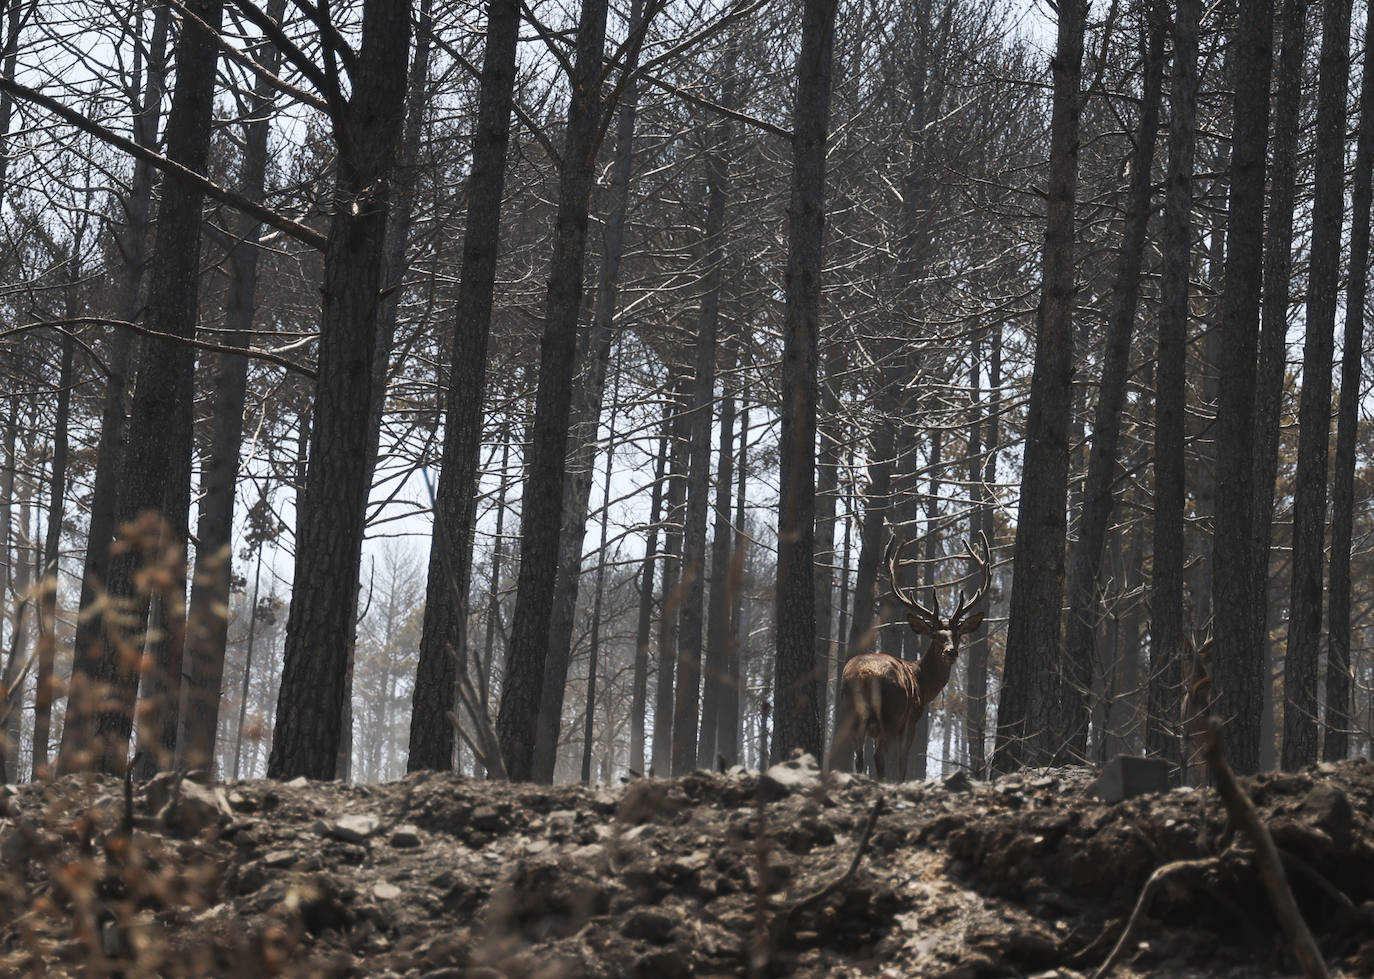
(708, 875)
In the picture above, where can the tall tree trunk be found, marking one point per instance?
(1099, 496)
(1273, 340)
(672, 594)
(878, 502)
(24, 549)
(48, 584)
(1166, 583)
(516, 723)
(914, 644)
(395, 264)
(1027, 721)
(444, 633)
(975, 478)
(799, 691)
(595, 646)
(156, 471)
(976, 684)
(842, 628)
(498, 554)
(248, 662)
(728, 726)
(15, 15)
(594, 354)
(76, 751)
(827, 507)
(640, 682)
(310, 705)
(1300, 737)
(1239, 620)
(717, 688)
(8, 559)
(207, 617)
(691, 628)
(1336, 732)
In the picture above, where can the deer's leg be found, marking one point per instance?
(844, 742)
(908, 739)
(879, 758)
(908, 736)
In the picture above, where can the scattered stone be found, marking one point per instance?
(644, 800)
(488, 819)
(279, 858)
(794, 775)
(355, 827)
(386, 892)
(653, 925)
(959, 782)
(663, 964)
(191, 808)
(299, 782)
(1328, 807)
(688, 866)
(405, 836)
(1127, 776)
(562, 822)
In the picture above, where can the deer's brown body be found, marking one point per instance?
(884, 698)
(881, 699)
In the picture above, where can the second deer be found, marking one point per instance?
(883, 697)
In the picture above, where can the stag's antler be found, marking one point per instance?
(985, 563)
(908, 598)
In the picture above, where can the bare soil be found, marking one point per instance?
(440, 876)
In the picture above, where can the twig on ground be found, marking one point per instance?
(787, 920)
(1294, 862)
(1158, 879)
(1267, 860)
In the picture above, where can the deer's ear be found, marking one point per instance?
(918, 625)
(972, 622)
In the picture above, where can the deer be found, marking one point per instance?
(1199, 699)
(883, 697)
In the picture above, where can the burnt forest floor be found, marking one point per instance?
(732, 875)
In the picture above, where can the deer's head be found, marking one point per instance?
(944, 633)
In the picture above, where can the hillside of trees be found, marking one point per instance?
(534, 390)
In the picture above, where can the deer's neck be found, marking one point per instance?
(932, 673)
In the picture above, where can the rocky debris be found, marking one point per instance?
(959, 782)
(184, 805)
(439, 875)
(354, 828)
(799, 773)
(1127, 776)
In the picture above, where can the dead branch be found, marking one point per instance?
(1158, 879)
(1296, 863)
(787, 920)
(1267, 860)
(489, 751)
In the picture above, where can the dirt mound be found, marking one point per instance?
(734, 874)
